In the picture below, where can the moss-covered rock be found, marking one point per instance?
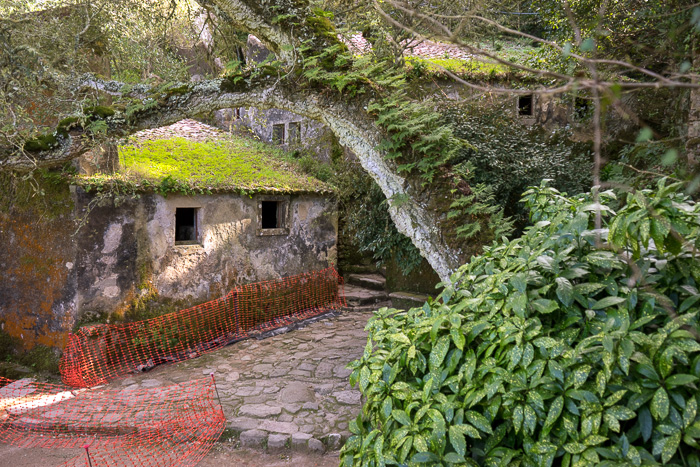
(65, 125)
(16, 363)
(11, 370)
(43, 142)
(99, 111)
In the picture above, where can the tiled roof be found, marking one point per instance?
(424, 49)
(187, 128)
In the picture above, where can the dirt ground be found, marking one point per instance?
(222, 455)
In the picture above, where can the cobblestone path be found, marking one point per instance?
(286, 391)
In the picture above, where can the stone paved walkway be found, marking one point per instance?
(290, 390)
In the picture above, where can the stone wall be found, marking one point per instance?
(54, 275)
(129, 250)
(314, 138)
(38, 290)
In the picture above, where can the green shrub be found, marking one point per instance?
(567, 346)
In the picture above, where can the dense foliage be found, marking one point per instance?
(569, 346)
(46, 45)
(508, 156)
(656, 34)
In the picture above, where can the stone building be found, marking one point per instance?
(190, 213)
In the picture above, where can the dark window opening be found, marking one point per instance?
(582, 108)
(185, 225)
(278, 133)
(237, 113)
(525, 105)
(294, 132)
(271, 218)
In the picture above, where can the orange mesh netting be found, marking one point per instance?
(97, 354)
(169, 426)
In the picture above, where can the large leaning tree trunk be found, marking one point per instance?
(285, 27)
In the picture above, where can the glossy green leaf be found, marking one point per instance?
(479, 421)
(565, 291)
(554, 412)
(401, 417)
(659, 404)
(457, 440)
(607, 302)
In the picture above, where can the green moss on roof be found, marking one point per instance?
(466, 68)
(229, 164)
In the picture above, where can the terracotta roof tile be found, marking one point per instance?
(187, 128)
(424, 49)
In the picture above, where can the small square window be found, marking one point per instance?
(185, 226)
(294, 134)
(278, 133)
(525, 107)
(272, 215)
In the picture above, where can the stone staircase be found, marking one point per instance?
(367, 292)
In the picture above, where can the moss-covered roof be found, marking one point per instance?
(437, 57)
(192, 157)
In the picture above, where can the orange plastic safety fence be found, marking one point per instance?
(97, 354)
(169, 426)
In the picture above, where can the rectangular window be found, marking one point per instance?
(278, 133)
(185, 226)
(273, 214)
(525, 107)
(294, 133)
(270, 215)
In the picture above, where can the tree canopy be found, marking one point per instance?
(74, 73)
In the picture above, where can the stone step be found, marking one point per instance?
(297, 441)
(358, 296)
(406, 300)
(363, 308)
(368, 281)
(359, 269)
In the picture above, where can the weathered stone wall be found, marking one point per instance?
(53, 275)
(314, 137)
(129, 250)
(38, 296)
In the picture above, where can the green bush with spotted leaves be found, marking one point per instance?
(569, 346)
